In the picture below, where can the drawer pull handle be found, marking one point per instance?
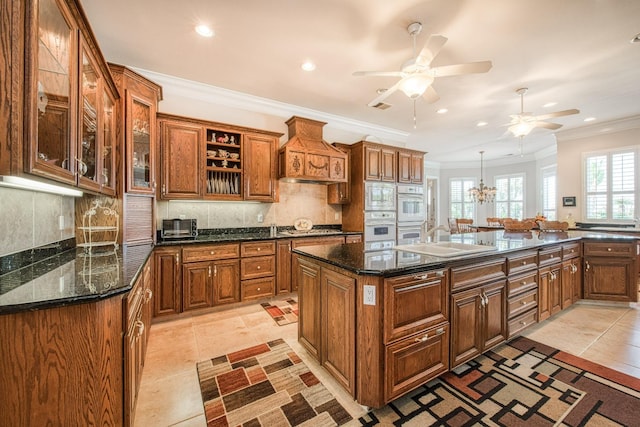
(258, 289)
(259, 249)
(524, 262)
(523, 323)
(421, 276)
(140, 326)
(551, 256)
(523, 302)
(440, 273)
(608, 249)
(423, 339)
(524, 282)
(213, 252)
(439, 331)
(258, 267)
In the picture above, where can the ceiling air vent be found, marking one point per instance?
(381, 106)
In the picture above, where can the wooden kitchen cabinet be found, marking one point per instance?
(478, 321)
(226, 281)
(306, 241)
(261, 167)
(610, 271)
(522, 291)
(550, 291)
(307, 276)
(258, 269)
(64, 98)
(180, 150)
(197, 285)
(571, 278)
(283, 267)
(168, 281)
(138, 107)
(340, 193)
(337, 301)
(379, 163)
(410, 167)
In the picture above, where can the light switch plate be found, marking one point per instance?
(369, 297)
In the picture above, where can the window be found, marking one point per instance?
(549, 199)
(510, 196)
(460, 203)
(610, 189)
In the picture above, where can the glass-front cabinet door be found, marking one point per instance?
(90, 121)
(108, 176)
(140, 156)
(50, 134)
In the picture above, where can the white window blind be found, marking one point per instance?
(460, 203)
(509, 200)
(610, 185)
(549, 194)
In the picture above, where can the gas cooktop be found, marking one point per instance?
(312, 232)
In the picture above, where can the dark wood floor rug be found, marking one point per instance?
(282, 311)
(522, 383)
(266, 385)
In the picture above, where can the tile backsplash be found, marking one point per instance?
(296, 201)
(31, 219)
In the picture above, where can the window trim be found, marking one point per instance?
(636, 191)
(546, 171)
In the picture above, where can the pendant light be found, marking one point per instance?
(482, 193)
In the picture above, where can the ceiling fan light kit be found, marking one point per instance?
(522, 124)
(416, 74)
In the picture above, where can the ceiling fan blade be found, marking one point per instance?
(557, 114)
(430, 50)
(430, 95)
(379, 73)
(458, 69)
(385, 94)
(547, 125)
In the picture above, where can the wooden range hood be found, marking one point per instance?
(306, 157)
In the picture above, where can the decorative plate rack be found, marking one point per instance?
(100, 227)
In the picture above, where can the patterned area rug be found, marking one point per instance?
(282, 311)
(522, 383)
(266, 385)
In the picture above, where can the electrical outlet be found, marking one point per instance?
(369, 297)
(336, 216)
(182, 216)
(61, 222)
(260, 217)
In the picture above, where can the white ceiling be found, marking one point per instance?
(573, 52)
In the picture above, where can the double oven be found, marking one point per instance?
(411, 214)
(379, 216)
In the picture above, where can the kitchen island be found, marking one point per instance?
(384, 323)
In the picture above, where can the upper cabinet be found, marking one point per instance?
(410, 167)
(215, 161)
(69, 98)
(139, 103)
(379, 162)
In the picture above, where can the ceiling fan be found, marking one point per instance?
(416, 74)
(522, 124)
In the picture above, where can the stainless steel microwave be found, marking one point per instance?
(179, 228)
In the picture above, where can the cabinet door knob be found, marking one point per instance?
(258, 289)
(524, 262)
(608, 249)
(259, 249)
(523, 323)
(258, 267)
(524, 282)
(523, 302)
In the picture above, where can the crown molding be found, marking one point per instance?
(229, 98)
(612, 126)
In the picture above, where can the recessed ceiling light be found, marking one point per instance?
(589, 119)
(308, 66)
(442, 111)
(204, 30)
(636, 38)
(480, 124)
(549, 104)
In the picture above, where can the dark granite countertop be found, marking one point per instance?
(388, 263)
(248, 234)
(72, 277)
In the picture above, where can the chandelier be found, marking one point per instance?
(482, 193)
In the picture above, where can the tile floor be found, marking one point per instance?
(170, 395)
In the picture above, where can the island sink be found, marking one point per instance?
(445, 249)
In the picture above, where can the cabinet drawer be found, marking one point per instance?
(134, 300)
(210, 252)
(570, 250)
(262, 266)
(414, 302)
(616, 249)
(520, 262)
(257, 288)
(550, 255)
(415, 360)
(249, 249)
(520, 323)
(519, 284)
(467, 276)
(522, 303)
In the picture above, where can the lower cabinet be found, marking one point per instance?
(571, 281)
(611, 270)
(307, 276)
(257, 269)
(167, 281)
(412, 361)
(550, 291)
(478, 320)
